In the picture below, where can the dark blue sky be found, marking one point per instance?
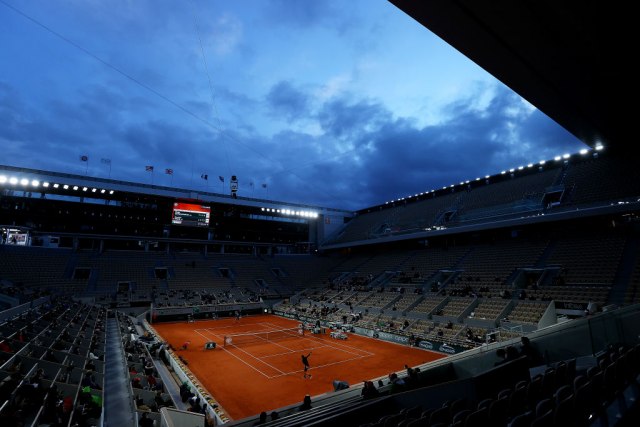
(341, 104)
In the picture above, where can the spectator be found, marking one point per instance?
(369, 391)
(306, 403)
(262, 419)
(145, 421)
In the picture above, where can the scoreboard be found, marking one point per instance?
(190, 214)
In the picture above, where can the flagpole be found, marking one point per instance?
(109, 169)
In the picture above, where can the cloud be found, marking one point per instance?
(225, 35)
(288, 101)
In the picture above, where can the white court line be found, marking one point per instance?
(322, 366)
(336, 346)
(314, 339)
(248, 364)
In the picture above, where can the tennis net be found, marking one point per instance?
(262, 336)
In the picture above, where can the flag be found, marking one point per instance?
(105, 161)
(264, 185)
(84, 158)
(251, 184)
(204, 176)
(168, 171)
(148, 168)
(221, 178)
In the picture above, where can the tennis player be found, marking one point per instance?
(305, 362)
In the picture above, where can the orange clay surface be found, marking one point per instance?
(262, 376)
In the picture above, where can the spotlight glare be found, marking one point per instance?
(111, 192)
(66, 187)
(512, 170)
(45, 184)
(520, 168)
(84, 188)
(503, 172)
(530, 165)
(56, 185)
(13, 180)
(24, 181)
(75, 187)
(584, 151)
(102, 191)
(566, 155)
(486, 177)
(542, 162)
(35, 183)
(93, 190)
(3, 179)
(599, 147)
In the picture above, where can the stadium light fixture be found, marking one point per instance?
(262, 209)
(542, 162)
(466, 182)
(566, 155)
(557, 158)
(93, 190)
(478, 179)
(110, 191)
(584, 151)
(35, 183)
(75, 188)
(520, 168)
(56, 185)
(444, 188)
(599, 147)
(13, 180)
(66, 187)
(103, 191)
(24, 181)
(84, 188)
(486, 177)
(503, 172)
(45, 184)
(530, 165)
(512, 170)
(3, 179)
(452, 185)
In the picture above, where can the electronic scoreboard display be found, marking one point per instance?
(190, 214)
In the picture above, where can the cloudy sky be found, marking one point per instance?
(337, 103)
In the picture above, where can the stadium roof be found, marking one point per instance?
(570, 59)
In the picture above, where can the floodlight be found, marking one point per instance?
(24, 181)
(110, 191)
(503, 172)
(75, 187)
(530, 165)
(45, 184)
(512, 170)
(566, 155)
(486, 177)
(13, 180)
(542, 162)
(599, 147)
(262, 209)
(520, 168)
(102, 191)
(584, 151)
(3, 179)
(56, 185)
(84, 188)
(35, 183)
(93, 190)
(557, 158)
(466, 182)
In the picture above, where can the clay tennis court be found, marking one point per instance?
(253, 374)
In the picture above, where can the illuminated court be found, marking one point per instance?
(260, 369)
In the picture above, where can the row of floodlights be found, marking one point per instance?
(36, 184)
(305, 214)
(565, 156)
